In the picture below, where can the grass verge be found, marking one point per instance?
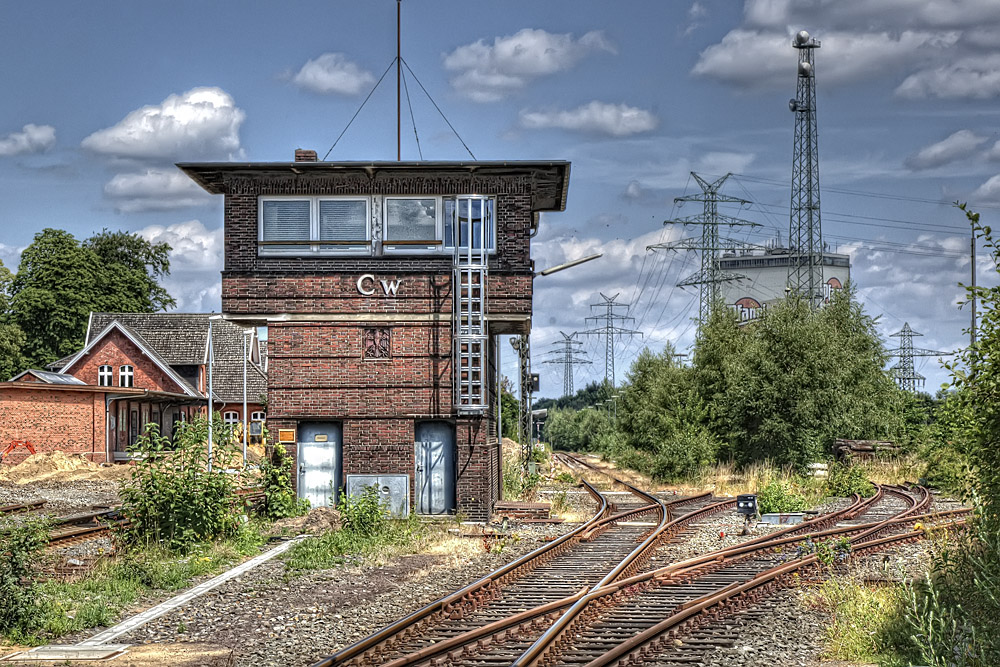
(63, 607)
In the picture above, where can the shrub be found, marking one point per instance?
(778, 496)
(847, 480)
(20, 547)
(363, 513)
(279, 496)
(172, 496)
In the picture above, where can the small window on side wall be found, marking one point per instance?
(469, 217)
(231, 417)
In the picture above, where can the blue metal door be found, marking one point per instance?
(434, 468)
(320, 448)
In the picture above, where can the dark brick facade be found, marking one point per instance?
(317, 317)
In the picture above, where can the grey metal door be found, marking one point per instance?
(435, 467)
(320, 462)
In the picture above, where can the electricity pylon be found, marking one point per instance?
(904, 372)
(609, 331)
(569, 354)
(805, 235)
(710, 277)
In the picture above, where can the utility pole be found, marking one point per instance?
(805, 235)
(522, 345)
(905, 373)
(569, 354)
(609, 331)
(710, 277)
(972, 330)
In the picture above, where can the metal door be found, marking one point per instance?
(435, 467)
(320, 462)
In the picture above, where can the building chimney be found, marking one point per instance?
(305, 155)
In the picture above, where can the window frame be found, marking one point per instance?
(103, 375)
(255, 418)
(404, 247)
(236, 417)
(129, 374)
(455, 229)
(313, 245)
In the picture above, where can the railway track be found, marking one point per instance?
(595, 601)
(506, 611)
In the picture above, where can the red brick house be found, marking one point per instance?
(385, 287)
(134, 369)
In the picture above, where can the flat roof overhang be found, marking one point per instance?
(550, 179)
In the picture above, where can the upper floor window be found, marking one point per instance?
(305, 225)
(126, 375)
(302, 225)
(104, 375)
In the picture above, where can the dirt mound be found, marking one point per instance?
(60, 467)
(318, 520)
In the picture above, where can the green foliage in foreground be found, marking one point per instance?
(59, 608)
(172, 497)
(779, 496)
(20, 548)
(847, 480)
(367, 532)
(280, 500)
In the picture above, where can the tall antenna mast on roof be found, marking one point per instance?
(399, 74)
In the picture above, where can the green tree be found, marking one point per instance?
(53, 293)
(60, 281)
(11, 337)
(132, 269)
(787, 384)
(661, 414)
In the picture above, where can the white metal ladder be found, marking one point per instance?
(473, 228)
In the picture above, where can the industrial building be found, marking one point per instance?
(763, 277)
(384, 287)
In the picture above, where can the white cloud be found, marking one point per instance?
(193, 246)
(864, 14)
(488, 72)
(724, 162)
(154, 190)
(759, 59)
(975, 77)
(200, 123)
(31, 139)
(333, 73)
(10, 256)
(196, 258)
(959, 145)
(988, 192)
(616, 120)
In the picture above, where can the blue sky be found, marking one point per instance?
(100, 99)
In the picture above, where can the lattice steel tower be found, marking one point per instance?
(609, 331)
(805, 235)
(569, 354)
(710, 277)
(905, 372)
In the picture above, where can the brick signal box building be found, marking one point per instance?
(384, 287)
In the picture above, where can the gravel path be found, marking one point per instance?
(269, 619)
